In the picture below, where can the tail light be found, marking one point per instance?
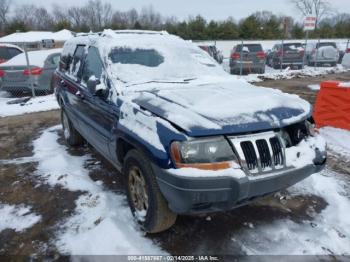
(2, 60)
(235, 56)
(34, 71)
(347, 50)
(280, 53)
(260, 55)
(2, 73)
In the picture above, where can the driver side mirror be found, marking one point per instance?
(91, 85)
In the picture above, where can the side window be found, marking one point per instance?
(77, 60)
(14, 51)
(92, 66)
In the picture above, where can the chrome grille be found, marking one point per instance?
(278, 157)
(260, 153)
(264, 153)
(249, 154)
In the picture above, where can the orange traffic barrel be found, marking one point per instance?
(332, 106)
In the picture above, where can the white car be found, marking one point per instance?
(346, 60)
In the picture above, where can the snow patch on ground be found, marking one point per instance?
(276, 74)
(102, 223)
(338, 140)
(327, 234)
(8, 107)
(315, 87)
(17, 218)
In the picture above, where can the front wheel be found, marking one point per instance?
(146, 202)
(71, 135)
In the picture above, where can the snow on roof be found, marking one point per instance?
(10, 45)
(36, 58)
(36, 36)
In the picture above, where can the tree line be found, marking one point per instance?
(96, 15)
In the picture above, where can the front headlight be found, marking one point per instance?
(207, 154)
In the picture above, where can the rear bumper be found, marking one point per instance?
(193, 195)
(323, 60)
(246, 65)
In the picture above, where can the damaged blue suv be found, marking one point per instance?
(188, 137)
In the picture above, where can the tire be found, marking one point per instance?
(144, 196)
(276, 66)
(71, 135)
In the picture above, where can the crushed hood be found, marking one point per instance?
(230, 107)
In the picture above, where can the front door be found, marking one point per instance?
(99, 115)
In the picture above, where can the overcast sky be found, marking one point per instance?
(210, 9)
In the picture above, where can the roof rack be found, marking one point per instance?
(87, 34)
(146, 32)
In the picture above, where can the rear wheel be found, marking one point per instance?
(71, 135)
(146, 202)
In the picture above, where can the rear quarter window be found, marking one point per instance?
(326, 44)
(293, 47)
(4, 53)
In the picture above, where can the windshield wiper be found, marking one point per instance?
(185, 81)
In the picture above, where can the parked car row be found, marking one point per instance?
(15, 75)
(250, 58)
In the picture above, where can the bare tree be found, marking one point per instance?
(4, 11)
(149, 18)
(76, 16)
(35, 18)
(320, 8)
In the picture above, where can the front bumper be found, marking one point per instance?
(191, 195)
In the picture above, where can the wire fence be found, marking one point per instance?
(249, 57)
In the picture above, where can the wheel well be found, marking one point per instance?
(123, 148)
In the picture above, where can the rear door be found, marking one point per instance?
(70, 83)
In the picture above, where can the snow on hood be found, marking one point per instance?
(231, 106)
(36, 58)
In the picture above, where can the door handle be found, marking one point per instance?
(79, 94)
(63, 83)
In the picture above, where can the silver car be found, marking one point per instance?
(322, 53)
(15, 75)
(248, 58)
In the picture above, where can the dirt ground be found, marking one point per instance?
(55, 204)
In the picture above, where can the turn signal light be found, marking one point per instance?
(34, 71)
